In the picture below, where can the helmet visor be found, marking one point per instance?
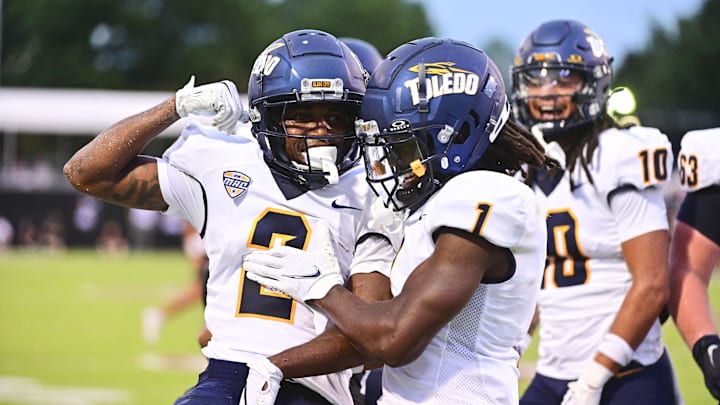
(565, 80)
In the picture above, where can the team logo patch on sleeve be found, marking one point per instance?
(235, 183)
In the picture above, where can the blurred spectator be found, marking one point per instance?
(6, 233)
(87, 213)
(111, 240)
(153, 318)
(52, 232)
(27, 233)
(142, 228)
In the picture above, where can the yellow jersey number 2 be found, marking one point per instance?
(272, 226)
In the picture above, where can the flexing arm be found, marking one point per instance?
(399, 330)
(110, 167)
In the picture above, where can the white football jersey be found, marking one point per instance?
(699, 159)
(471, 360)
(238, 207)
(586, 277)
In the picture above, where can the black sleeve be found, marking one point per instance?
(701, 210)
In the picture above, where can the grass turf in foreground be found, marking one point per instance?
(70, 331)
(73, 320)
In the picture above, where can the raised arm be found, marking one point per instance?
(110, 166)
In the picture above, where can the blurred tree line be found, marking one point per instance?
(678, 69)
(156, 44)
(675, 77)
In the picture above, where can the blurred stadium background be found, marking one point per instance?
(71, 294)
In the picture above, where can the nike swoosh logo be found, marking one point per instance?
(710, 352)
(302, 276)
(336, 205)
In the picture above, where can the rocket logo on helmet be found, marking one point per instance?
(442, 78)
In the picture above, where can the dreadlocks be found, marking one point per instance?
(514, 148)
(585, 141)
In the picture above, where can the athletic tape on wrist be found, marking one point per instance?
(616, 348)
(595, 375)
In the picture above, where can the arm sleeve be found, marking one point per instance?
(373, 253)
(700, 210)
(638, 212)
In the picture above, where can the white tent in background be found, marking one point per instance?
(62, 113)
(74, 111)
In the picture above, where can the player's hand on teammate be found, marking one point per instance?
(219, 100)
(262, 384)
(302, 274)
(706, 352)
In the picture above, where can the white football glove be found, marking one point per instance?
(219, 100)
(579, 393)
(262, 384)
(587, 390)
(302, 274)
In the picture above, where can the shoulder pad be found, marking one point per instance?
(699, 159)
(494, 206)
(200, 145)
(641, 157)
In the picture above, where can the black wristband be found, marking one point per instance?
(700, 347)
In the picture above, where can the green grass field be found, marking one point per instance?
(70, 331)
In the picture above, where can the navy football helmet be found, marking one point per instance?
(305, 66)
(555, 51)
(432, 108)
(368, 54)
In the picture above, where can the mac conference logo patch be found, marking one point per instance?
(236, 183)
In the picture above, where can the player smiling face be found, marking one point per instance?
(313, 125)
(551, 92)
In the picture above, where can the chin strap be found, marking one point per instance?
(552, 149)
(388, 222)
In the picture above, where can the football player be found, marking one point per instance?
(440, 151)
(606, 278)
(154, 318)
(369, 56)
(695, 250)
(298, 180)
